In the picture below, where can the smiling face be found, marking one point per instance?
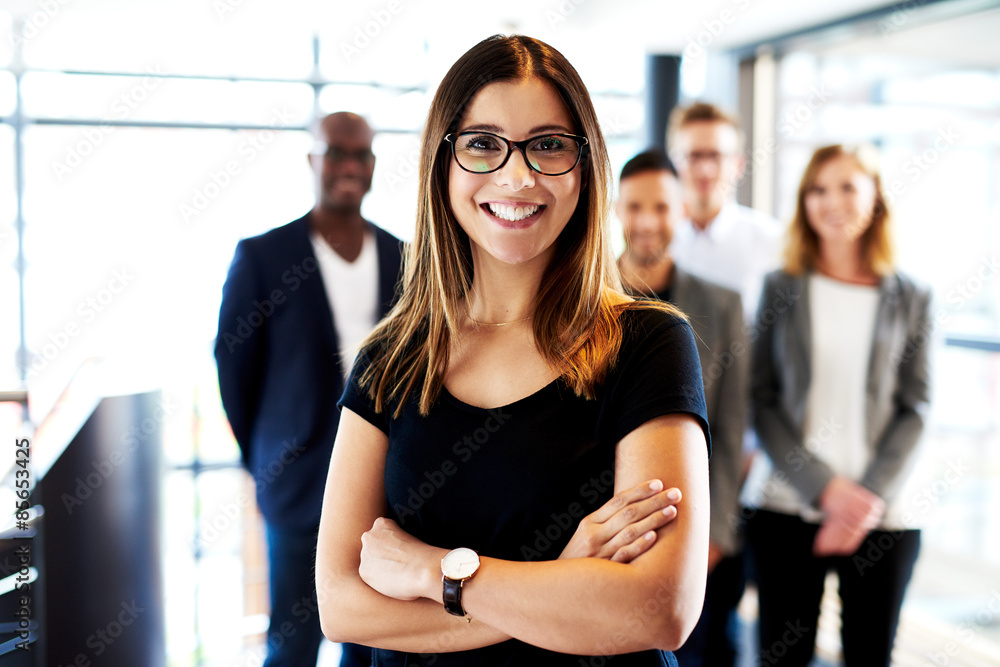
(840, 202)
(344, 169)
(514, 214)
(649, 205)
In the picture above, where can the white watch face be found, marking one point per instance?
(460, 563)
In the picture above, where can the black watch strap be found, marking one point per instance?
(452, 596)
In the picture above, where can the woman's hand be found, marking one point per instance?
(625, 526)
(850, 503)
(396, 564)
(852, 511)
(836, 538)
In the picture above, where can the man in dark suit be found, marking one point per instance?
(650, 202)
(297, 302)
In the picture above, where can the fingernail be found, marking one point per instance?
(674, 494)
(650, 535)
(656, 485)
(669, 510)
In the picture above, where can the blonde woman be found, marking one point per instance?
(840, 390)
(511, 403)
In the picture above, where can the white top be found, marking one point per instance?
(737, 249)
(352, 290)
(842, 322)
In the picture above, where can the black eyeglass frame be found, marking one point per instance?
(338, 155)
(581, 141)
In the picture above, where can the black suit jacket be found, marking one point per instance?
(279, 370)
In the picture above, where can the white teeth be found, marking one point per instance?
(513, 213)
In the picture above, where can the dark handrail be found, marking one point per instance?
(14, 396)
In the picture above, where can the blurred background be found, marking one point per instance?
(139, 141)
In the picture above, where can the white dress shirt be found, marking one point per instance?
(352, 290)
(737, 249)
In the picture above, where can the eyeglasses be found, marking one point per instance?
(714, 158)
(548, 154)
(336, 154)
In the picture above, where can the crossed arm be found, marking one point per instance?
(384, 590)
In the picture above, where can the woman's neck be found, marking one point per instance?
(503, 292)
(844, 262)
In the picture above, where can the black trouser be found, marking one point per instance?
(790, 586)
(294, 634)
(714, 640)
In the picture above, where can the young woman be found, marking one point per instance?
(840, 387)
(513, 391)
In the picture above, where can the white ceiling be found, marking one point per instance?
(660, 25)
(599, 26)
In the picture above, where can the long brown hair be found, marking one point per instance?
(802, 249)
(575, 325)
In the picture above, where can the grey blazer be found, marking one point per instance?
(716, 317)
(897, 393)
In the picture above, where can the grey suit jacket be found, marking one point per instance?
(897, 392)
(716, 317)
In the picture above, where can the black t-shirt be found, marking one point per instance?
(666, 294)
(513, 482)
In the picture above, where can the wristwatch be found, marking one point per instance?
(457, 566)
